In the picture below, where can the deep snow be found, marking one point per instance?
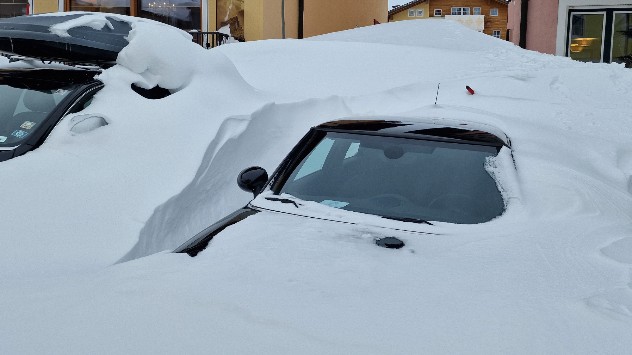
(552, 275)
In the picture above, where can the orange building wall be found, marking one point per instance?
(43, 6)
(325, 16)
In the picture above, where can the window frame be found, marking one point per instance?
(604, 32)
(412, 12)
(440, 12)
(493, 12)
(480, 11)
(135, 9)
(418, 11)
(614, 14)
(499, 34)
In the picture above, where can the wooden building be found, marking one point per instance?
(487, 16)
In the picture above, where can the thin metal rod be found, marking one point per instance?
(437, 97)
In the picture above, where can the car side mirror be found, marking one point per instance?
(252, 179)
(87, 122)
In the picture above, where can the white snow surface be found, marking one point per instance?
(88, 218)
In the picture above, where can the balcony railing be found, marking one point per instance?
(209, 39)
(475, 22)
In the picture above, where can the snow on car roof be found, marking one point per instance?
(85, 37)
(437, 127)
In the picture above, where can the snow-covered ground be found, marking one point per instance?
(88, 218)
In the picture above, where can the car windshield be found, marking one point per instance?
(399, 178)
(22, 111)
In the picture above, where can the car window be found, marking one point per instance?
(23, 111)
(315, 160)
(43, 97)
(400, 177)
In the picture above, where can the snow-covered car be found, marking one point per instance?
(32, 101)
(54, 61)
(379, 173)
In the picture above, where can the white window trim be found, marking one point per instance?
(413, 12)
(418, 11)
(494, 33)
(461, 10)
(480, 10)
(491, 11)
(440, 12)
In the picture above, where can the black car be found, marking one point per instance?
(32, 101)
(381, 172)
(53, 74)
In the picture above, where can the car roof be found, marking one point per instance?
(45, 78)
(31, 36)
(438, 128)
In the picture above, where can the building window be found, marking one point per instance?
(622, 38)
(231, 13)
(496, 33)
(420, 13)
(493, 12)
(438, 12)
(11, 8)
(476, 11)
(184, 14)
(460, 11)
(600, 35)
(121, 7)
(586, 36)
(411, 13)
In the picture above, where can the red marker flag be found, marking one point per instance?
(470, 90)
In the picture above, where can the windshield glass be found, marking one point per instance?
(23, 111)
(399, 178)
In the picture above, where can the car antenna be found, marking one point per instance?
(437, 97)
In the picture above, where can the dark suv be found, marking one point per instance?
(51, 76)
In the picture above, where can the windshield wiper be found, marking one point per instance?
(282, 200)
(409, 219)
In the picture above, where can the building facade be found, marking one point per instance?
(247, 19)
(487, 16)
(598, 31)
(11, 8)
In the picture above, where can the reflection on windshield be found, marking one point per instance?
(399, 178)
(22, 111)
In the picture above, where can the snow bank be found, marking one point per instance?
(552, 275)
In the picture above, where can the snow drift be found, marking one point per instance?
(552, 276)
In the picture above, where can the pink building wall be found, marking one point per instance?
(541, 24)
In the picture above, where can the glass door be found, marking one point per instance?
(586, 36)
(600, 35)
(622, 38)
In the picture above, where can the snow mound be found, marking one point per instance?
(430, 33)
(552, 275)
(210, 196)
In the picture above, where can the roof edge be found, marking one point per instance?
(406, 6)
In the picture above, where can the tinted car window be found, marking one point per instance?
(22, 111)
(399, 178)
